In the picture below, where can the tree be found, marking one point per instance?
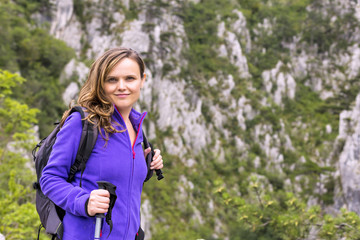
(267, 214)
(19, 219)
(28, 48)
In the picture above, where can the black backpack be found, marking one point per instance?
(51, 216)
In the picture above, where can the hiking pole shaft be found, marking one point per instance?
(99, 217)
(98, 227)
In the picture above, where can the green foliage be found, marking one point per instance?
(133, 10)
(201, 24)
(33, 6)
(175, 215)
(37, 56)
(346, 225)
(286, 19)
(289, 18)
(245, 207)
(16, 118)
(345, 98)
(279, 215)
(326, 33)
(19, 219)
(8, 80)
(303, 119)
(79, 10)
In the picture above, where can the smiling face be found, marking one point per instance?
(123, 83)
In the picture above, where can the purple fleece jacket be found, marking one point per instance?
(118, 162)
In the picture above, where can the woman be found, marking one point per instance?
(109, 94)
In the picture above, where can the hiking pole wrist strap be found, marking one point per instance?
(111, 188)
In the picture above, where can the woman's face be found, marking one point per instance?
(123, 83)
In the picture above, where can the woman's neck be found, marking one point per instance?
(124, 113)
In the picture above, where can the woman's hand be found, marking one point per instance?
(157, 161)
(98, 202)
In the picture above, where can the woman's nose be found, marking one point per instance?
(121, 84)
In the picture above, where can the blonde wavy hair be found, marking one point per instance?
(92, 95)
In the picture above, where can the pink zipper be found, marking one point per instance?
(137, 134)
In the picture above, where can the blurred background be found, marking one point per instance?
(254, 103)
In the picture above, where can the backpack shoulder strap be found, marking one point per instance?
(148, 160)
(148, 157)
(88, 139)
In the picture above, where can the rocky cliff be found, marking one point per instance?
(233, 91)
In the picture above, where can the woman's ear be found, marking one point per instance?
(143, 81)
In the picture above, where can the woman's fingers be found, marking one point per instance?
(147, 151)
(157, 162)
(98, 202)
(157, 154)
(158, 166)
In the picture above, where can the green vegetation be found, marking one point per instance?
(19, 219)
(238, 192)
(271, 215)
(304, 119)
(201, 25)
(37, 56)
(280, 22)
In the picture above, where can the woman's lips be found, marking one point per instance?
(121, 95)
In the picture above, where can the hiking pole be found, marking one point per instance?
(99, 216)
(149, 159)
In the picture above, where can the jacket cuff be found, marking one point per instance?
(86, 208)
(81, 204)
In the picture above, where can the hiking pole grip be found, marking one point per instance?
(99, 216)
(159, 174)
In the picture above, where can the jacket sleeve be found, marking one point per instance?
(53, 180)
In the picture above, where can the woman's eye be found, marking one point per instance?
(130, 78)
(111, 80)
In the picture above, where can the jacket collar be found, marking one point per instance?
(135, 118)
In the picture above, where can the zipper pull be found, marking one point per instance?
(133, 154)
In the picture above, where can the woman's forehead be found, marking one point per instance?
(126, 66)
